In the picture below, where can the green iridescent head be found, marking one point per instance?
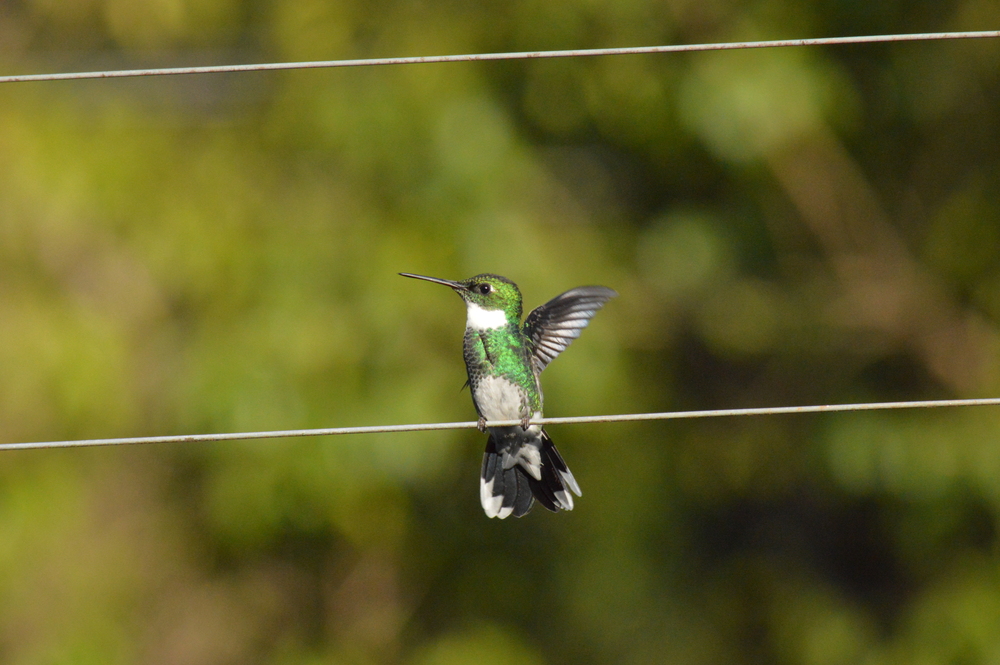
(486, 291)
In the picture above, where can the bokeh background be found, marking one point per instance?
(219, 253)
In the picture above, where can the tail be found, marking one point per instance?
(519, 467)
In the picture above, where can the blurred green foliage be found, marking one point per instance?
(219, 253)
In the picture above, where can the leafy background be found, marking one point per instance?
(219, 253)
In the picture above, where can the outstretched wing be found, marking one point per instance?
(552, 326)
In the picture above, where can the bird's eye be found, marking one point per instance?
(484, 288)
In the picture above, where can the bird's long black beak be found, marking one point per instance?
(455, 285)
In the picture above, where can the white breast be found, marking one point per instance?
(499, 399)
(485, 319)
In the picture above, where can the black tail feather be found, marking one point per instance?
(512, 491)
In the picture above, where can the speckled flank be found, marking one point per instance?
(498, 365)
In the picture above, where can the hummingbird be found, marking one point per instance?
(504, 358)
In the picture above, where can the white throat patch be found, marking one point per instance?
(485, 319)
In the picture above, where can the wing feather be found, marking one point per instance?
(552, 326)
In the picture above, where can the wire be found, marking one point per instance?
(525, 55)
(573, 420)
(474, 57)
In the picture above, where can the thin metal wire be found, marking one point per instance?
(474, 57)
(674, 415)
(572, 420)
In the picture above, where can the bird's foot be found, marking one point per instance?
(524, 423)
(481, 424)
